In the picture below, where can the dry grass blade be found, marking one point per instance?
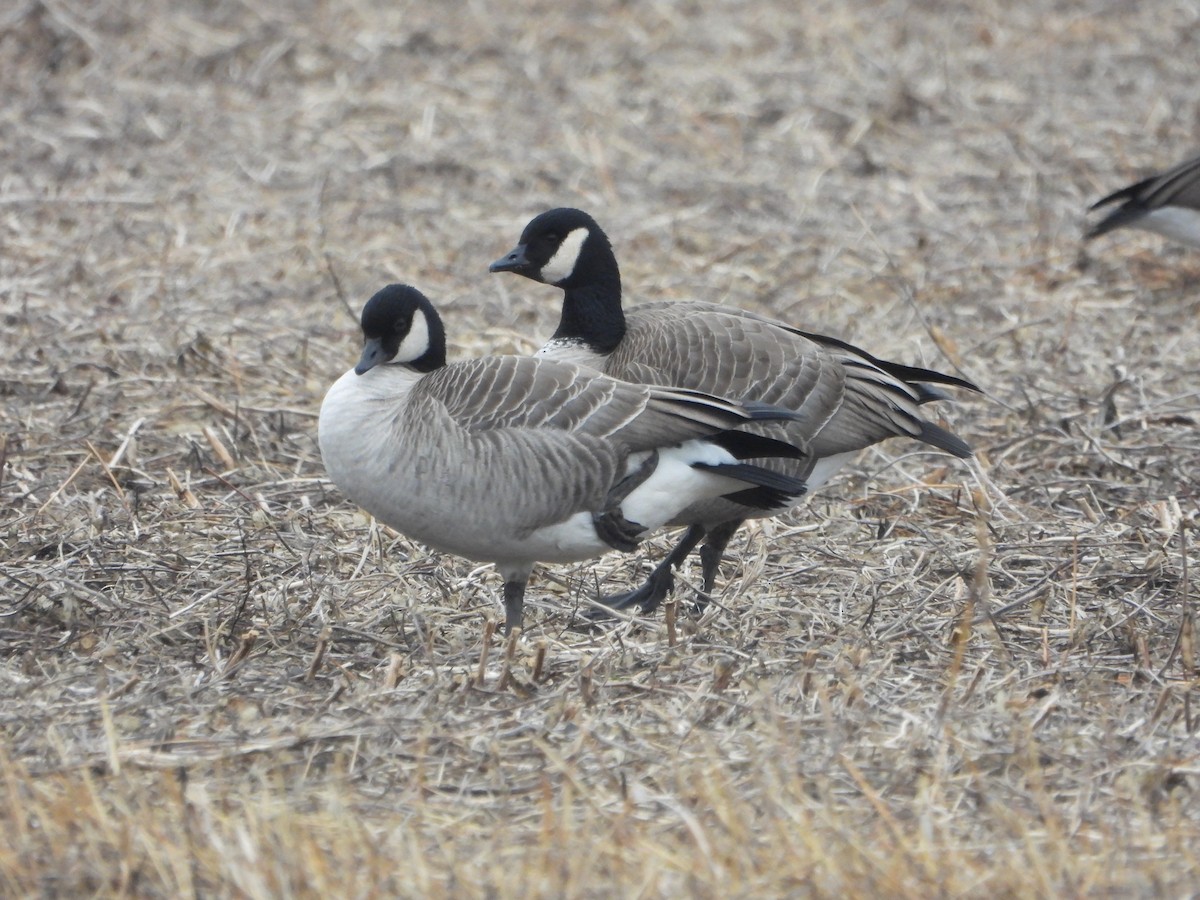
(218, 679)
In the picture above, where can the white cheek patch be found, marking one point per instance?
(416, 342)
(562, 263)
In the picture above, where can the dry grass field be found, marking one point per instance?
(218, 678)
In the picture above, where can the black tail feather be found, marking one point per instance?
(744, 445)
(915, 376)
(944, 440)
(1119, 217)
(762, 498)
(920, 379)
(928, 393)
(766, 412)
(1129, 192)
(771, 489)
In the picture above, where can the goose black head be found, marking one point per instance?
(557, 247)
(400, 326)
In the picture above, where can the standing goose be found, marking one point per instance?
(511, 459)
(1167, 204)
(844, 398)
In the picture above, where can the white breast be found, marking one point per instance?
(352, 428)
(573, 351)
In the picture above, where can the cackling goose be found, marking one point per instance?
(844, 398)
(511, 459)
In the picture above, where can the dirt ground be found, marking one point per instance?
(218, 678)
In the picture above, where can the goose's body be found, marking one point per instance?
(844, 399)
(513, 460)
(1167, 204)
(516, 481)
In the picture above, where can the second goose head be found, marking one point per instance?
(565, 248)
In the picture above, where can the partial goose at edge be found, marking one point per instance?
(1167, 204)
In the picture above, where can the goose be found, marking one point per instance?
(844, 398)
(514, 459)
(1167, 204)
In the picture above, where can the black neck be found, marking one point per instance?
(592, 312)
(435, 356)
(430, 361)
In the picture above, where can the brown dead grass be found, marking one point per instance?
(220, 679)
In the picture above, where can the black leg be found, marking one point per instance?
(711, 555)
(661, 580)
(514, 605)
